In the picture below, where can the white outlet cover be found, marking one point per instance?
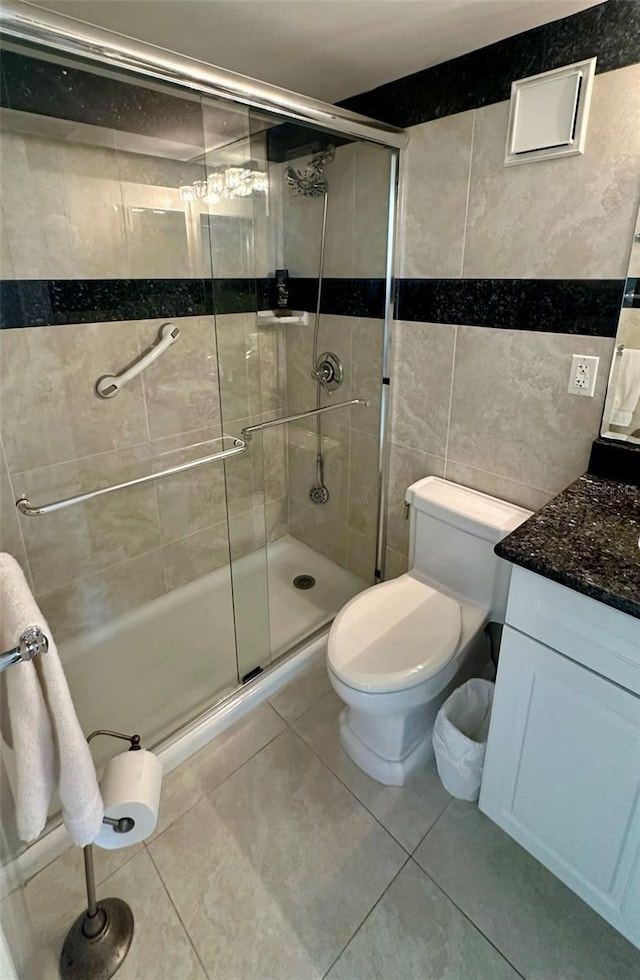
(582, 378)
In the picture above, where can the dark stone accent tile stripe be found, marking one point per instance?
(632, 293)
(36, 303)
(341, 296)
(610, 30)
(290, 140)
(576, 306)
(33, 85)
(29, 84)
(615, 461)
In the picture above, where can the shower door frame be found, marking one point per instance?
(64, 35)
(21, 21)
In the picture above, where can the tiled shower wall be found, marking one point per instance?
(71, 211)
(98, 560)
(489, 407)
(345, 528)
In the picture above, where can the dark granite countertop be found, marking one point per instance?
(587, 539)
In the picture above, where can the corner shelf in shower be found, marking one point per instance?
(272, 318)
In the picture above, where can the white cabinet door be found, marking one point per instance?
(562, 774)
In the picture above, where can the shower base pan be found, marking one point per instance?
(182, 643)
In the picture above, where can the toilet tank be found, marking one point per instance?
(453, 532)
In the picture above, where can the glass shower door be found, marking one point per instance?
(103, 240)
(232, 229)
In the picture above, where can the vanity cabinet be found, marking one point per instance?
(562, 769)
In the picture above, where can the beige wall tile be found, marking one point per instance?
(70, 544)
(191, 557)
(238, 365)
(272, 368)
(247, 532)
(6, 258)
(181, 387)
(11, 539)
(567, 218)
(277, 518)
(395, 564)
(244, 480)
(497, 486)
(98, 599)
(299, 350)
(302, 220)
(341, 246)
(302, 468)
(634, 257)
(367, 338)
(356, 216)
(405, 467)
(363, 483)
(313, 527)
(49, 410)
(422, 367)
(193, 500)
(302, 227)
(434, 197)
(372, 172)
(335, 335)
(361, 555)
(511, 414)
(274, 462)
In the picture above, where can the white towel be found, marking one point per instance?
(626, 392)
(48, 741)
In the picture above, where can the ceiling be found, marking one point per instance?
(329, 49)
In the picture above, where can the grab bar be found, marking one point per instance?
(31, 642)
(110, 384)
(247, 432)
(25, 506)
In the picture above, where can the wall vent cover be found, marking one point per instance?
(549, 113)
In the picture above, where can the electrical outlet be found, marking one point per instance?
(584, 370)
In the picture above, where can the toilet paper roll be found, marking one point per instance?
(130, 787)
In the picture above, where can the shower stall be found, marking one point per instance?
(196, 298)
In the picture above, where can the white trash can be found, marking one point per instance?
(460, 738)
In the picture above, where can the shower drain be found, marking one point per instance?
(304, 581)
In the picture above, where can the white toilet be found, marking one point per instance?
(397, 650)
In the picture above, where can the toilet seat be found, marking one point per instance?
(394, 636)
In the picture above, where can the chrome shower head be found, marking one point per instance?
(311, 182)
(318, 494)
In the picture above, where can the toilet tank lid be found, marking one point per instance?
(468, 509)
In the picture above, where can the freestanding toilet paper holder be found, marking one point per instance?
(99, 940)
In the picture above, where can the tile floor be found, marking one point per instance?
(277, 859)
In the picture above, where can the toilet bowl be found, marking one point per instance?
(397, 649)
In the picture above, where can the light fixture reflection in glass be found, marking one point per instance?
(226, 185)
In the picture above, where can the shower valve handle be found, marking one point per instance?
(328, 372)
(323, 375)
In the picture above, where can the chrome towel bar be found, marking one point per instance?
(31, 642)
(25, 506)
(250, 429)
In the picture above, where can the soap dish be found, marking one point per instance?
(271, 318)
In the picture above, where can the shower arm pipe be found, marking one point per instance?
(250, 429)
(67, 35)
(26, 508)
